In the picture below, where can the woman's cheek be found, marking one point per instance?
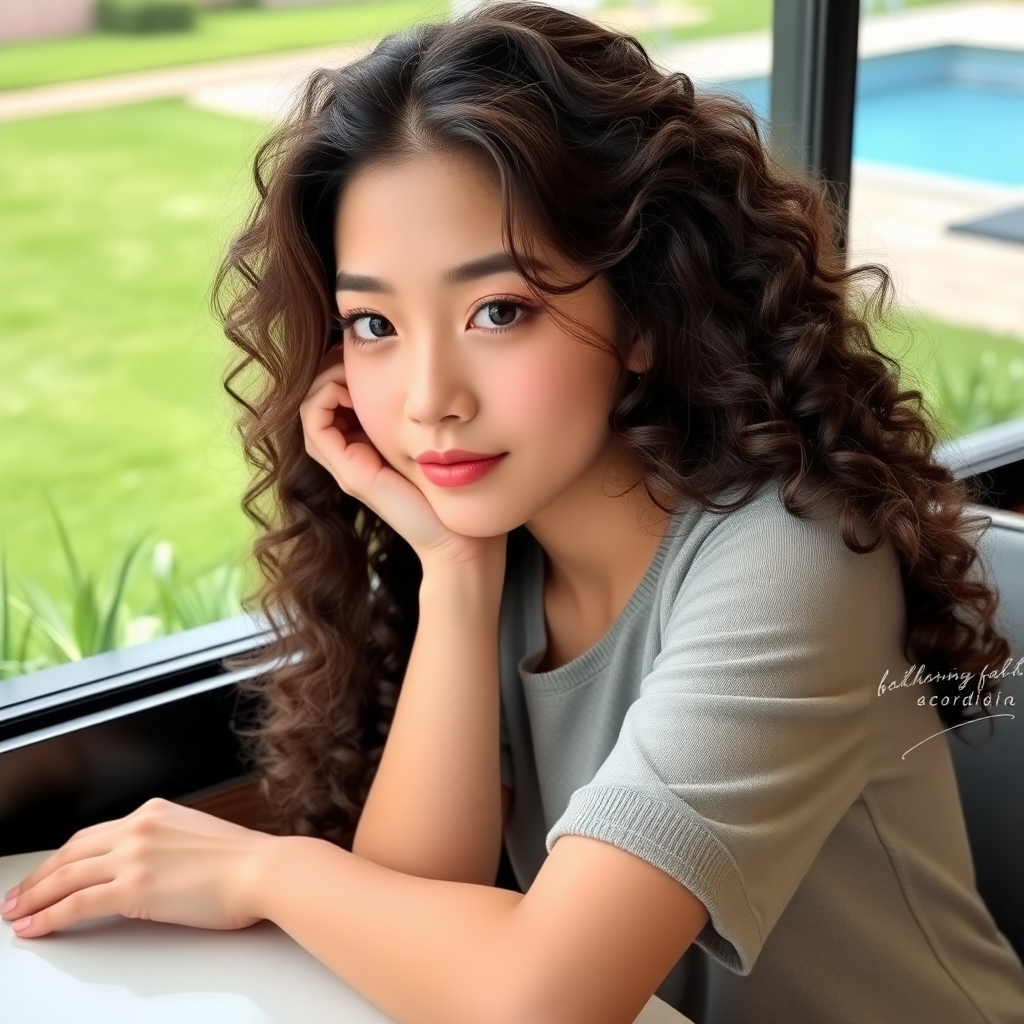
(378, 420)
(560, 398)
(534, 394)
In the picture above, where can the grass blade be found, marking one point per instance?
(65, 541)
(107, 636)
(52, 622)
(5, 622)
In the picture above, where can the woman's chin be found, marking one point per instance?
(476, 522)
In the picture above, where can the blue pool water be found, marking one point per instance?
(953, 110)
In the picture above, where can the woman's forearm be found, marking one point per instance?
(435, 805)
(423, 951)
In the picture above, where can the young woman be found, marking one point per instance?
(594, 524)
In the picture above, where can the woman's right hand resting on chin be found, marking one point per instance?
(336, 439)
(431, 811)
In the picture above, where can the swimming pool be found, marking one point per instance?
(955, 110)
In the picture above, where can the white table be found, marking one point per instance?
(113, 970)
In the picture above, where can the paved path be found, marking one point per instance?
(901, 218)
(115, 90)
(998, 23)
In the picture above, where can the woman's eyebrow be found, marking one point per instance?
(495, 263)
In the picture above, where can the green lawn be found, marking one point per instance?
(724, 17)
(110, 365)
(970, 378)
(229, 32)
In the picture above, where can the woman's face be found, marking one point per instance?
(443, 354)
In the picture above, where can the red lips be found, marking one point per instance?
(460, 473)
(446, 458)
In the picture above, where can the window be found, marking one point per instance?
(109, 384)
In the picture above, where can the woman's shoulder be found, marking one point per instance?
(764, 527)
(766, 558)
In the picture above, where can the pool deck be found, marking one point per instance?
(899, 217)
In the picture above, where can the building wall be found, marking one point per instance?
(32, 19)
(38, 19)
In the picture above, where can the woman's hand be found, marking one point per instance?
(162, 862)
(335, 438)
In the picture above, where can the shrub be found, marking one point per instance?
(185, 601)
(92, 615)
(987, 395)
(139, 16)
(13, 660)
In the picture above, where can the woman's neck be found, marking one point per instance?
(598, 543)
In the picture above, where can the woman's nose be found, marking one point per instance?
(437, 385)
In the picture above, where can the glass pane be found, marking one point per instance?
(938, 197)
(117, 196)
(124, 169)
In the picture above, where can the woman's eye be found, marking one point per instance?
(497, 314)
(376, 327)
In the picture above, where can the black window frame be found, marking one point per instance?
(90, 740)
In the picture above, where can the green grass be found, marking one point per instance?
(971, 379)
(230, 32)
(724, 17)
(110, 398)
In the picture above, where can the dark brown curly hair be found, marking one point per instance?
(762, 363)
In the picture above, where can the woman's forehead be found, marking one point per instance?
(437, 209)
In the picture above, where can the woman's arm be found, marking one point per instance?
(588, 944)
(434, 809)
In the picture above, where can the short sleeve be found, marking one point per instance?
(747, 742)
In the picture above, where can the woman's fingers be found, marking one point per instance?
(162, 862)
(81, 904)
(327, 410)
(66, 894)
(92, 842)
(335, 440)
(91, 830)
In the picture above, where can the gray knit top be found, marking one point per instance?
(729, 728)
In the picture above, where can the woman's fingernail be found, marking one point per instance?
(9, 905)
(12, 891)
(21, 924)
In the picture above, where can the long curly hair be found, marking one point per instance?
(726, 266)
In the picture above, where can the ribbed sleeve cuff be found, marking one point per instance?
(675, 840)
